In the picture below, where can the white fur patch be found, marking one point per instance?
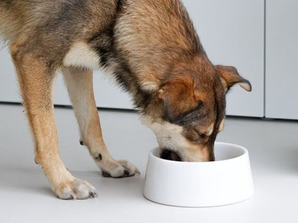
(168, 135)
(149, 85)
(221, 125)
(210, 130)
(81, 55)
(245, 86)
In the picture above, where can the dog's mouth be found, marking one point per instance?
(170, 155)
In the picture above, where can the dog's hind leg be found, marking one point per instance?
(79, 83)
(36, 78)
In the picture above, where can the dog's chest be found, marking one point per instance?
(82, 55)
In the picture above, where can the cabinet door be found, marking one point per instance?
(282, 59)
(232, 33)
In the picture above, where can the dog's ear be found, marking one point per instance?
(230, 76)
(178, 96)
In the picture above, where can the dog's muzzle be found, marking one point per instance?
(170, 155)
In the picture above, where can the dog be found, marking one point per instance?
(153, 51)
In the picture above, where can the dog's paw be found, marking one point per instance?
(75, 189)
(119, 169)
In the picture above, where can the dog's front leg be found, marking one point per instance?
(79, 83)
(36, 82)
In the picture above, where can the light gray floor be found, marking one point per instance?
(25, 195)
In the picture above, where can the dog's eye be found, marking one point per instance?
(200, 134)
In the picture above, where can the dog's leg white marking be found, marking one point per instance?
(80, 88)
(81, 55)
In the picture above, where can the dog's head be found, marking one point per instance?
(193, 111)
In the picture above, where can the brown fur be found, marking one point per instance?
(179, 96)
(152, 49)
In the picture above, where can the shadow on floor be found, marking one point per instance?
(32, 180)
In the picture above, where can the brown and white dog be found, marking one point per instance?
(152, 49)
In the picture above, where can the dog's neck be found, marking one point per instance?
(141, 67)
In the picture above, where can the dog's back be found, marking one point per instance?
(17, 16)
(10, 19)
(20, 16)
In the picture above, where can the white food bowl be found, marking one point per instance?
(228, 180)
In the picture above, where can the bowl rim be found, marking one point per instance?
(245, 153)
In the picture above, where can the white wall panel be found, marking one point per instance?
(282, 59)
(232, 33)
